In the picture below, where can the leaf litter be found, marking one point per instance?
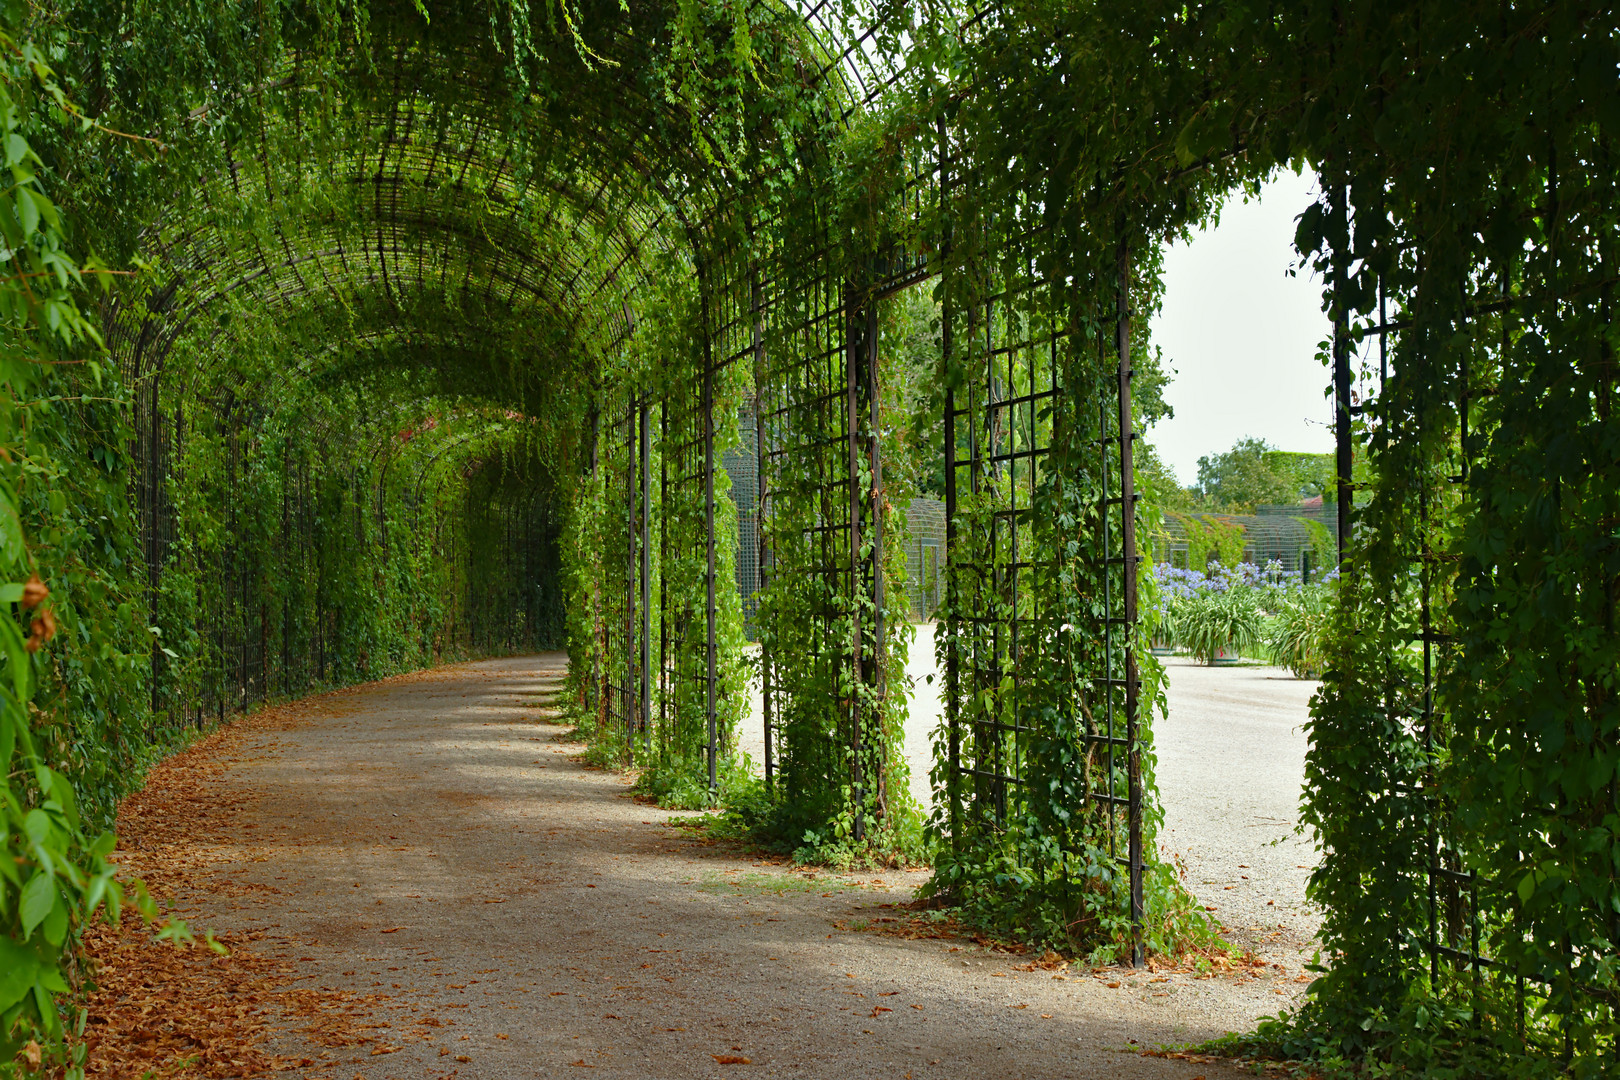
(160, 1010)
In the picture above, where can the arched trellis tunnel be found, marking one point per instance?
(444, 317)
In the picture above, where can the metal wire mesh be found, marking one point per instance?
(925, 556)
(1299, 538)
(741, 463)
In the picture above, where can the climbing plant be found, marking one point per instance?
(1462, 770)
(72, 640)
(1209, 537)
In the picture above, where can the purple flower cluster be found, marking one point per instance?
(1177, 582)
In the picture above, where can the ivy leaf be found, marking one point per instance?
(1204, 134)
(1527, 886)
(1308, 233)
(19, 968)
(50, 977)
(27, 212)
(11, 535)
(37, 826)
(56, 921)
(47, 1008)
(38, 897)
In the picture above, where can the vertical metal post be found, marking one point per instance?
(953, 679)
(645, 712)
(874, 398)
(597, 688)
(852, 425)
(1341, 369)
(952, 623)
(153, 559)
(287, 549)
(994, 725)
(709, 547)
(1426, 632)
(1127, 517)
(663, 564)
(762, 545)
(319, 538)
(979, 737)
(632, 593)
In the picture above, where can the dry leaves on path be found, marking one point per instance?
(176, 1011)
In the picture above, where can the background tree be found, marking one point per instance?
(1240, 479)
(1311, 475)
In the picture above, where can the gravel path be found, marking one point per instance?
(1231, 769)
(434, 846)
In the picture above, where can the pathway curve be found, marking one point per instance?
(432, 845)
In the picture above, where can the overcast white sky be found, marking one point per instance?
(1241, 335)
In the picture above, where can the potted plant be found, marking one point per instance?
(1298, 636)
(1164, 635)
(1218, 626)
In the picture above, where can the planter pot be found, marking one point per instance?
(1224, 658)
(1162, 650)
